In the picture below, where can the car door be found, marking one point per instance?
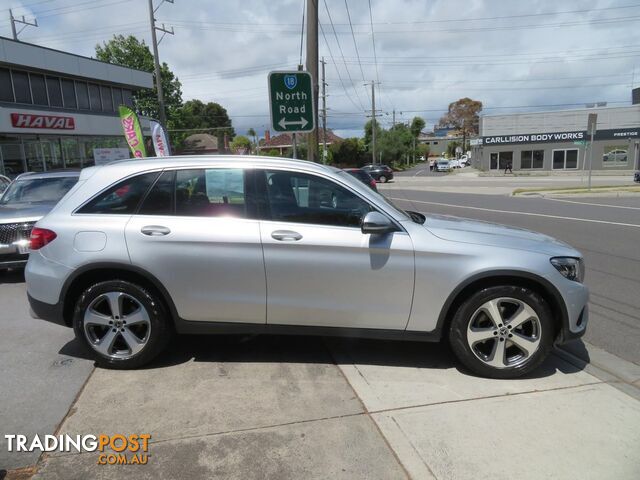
(194, 234)
(321, 269)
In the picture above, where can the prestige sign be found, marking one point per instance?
(53, 122)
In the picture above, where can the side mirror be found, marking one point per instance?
(377, 223)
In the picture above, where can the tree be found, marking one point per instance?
(451, 148)
(133, 53)
(252, 133)
(417, 124)
(240, 144)
(350, 152)
(196, 115)
(395, 143)
(368, 132)
(463, 115)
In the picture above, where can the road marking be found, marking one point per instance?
(588, 220)
(594, 204)
(418, 173)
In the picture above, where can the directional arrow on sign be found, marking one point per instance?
(302, 122)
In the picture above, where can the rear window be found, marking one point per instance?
(38, 190)
(122, 198)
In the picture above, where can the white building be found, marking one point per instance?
(57, 107)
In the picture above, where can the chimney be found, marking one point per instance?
(267, 136)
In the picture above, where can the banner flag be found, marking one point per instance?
(132, 131)
(159, 136)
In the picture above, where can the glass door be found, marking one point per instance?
(51, 154)
(33, 154)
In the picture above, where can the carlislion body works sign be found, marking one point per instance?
(607, 134)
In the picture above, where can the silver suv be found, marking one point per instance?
(138, 250)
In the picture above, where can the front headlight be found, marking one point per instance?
(570, 267)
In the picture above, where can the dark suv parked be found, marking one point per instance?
(380, 173)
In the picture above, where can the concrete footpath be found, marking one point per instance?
(293, 408)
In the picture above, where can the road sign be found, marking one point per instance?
(291, 101)
(580, 142)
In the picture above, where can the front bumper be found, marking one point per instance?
(46, 311)
(13, 260)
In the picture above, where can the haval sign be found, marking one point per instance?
(53, 122)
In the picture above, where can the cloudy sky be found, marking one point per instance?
(511, 55)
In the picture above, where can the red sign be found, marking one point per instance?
(29, 120)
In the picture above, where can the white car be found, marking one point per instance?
(454, 164)
(443, 165)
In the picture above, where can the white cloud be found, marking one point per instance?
(429, 53)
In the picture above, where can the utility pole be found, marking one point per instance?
(155, 42)
(394, 117)
(312, 68)
(324, 114)
(13, 20)
(373, 121)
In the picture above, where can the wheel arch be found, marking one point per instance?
(85, 276)
(505, 277)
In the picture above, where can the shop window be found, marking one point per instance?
(531, 159)
(500, 160)
(69, 94)
(615, 155)
(12, 159)
(6, 89)
(107, 100)
(82, 93)
(21, 87)
(94, 97)
(117, 98)
(38, 89)
(55, 93)
(565, 159)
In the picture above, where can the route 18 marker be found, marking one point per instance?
(291, 101)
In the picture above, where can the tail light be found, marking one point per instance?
(41, 237)
(373, 184)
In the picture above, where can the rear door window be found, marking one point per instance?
(123, 198)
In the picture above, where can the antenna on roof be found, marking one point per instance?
(26, 23)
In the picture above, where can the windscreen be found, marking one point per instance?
(38, 190)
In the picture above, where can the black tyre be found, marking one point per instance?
(122, 324)
(502, 332)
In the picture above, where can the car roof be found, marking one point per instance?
(63, 173)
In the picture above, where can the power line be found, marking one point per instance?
(342, 54)
(355, 44)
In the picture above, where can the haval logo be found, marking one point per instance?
(54, 122)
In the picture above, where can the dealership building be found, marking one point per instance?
(59, 110)
(558, 140)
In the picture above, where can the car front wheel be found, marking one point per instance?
(122, 324)
(502, 332)
(382, 179)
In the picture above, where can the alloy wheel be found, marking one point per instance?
(117, 325)
(504, 332)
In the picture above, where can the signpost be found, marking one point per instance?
(291, 102)
(591, 130)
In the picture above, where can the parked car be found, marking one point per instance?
(618, 155)
(27, 199)
(143, 248)
(464, 161)
(363, 176)
(454, 164)
(636, 177)
(380, 173)
(443, 165)
(4, 183)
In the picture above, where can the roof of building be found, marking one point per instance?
(27, 55)
(286, 140)
(200, 142)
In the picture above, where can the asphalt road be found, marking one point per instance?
(605, 230)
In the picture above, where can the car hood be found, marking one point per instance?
(485, 233)
(24, 211)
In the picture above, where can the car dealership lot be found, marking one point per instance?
(296, 407)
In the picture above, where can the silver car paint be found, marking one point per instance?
(332, 276)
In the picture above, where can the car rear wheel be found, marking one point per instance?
(502, 331)
(122, 324)
(382, 179)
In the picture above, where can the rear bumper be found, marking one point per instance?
(46, 311)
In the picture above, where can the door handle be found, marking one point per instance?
(286, 235)
(155, 230)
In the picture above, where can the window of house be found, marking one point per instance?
(117, 97)
(301, 198)
(21, 87)
(565, 159)
(615, 155)
(38, 89)
(107, 100)
(123, 198)
(94, 97)
(55, 93)
(6, 89)
(531, 159)
(68, 94)
(214, 192)
(82, 93)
